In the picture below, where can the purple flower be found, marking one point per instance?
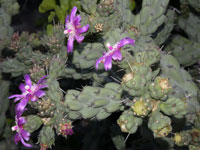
(21, 133)
(73, 29)
(29, 92)
(113, 53)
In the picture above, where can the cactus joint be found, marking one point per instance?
(139, 108)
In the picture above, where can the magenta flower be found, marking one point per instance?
(21, 133)
(113, 53)
(29, 92)
(73, 29)
(66, 129)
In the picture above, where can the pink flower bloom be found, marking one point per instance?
(73, 29)
(66, 129)
(21, 133)
(113, 53)
(43, 147)
(29, 92)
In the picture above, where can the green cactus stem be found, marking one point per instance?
(182, 138)
(128, 123)
(159, 124)
(174, 106)
(46, 137)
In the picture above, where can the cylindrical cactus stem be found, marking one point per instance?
(174, 106)
(194, 147)
(195, 134)
(141, 107)
(128, 123)
(33, 123)
(93, 102)
(46, 137)
(160, 88)
(89, 6)
(136, 79)
(183, 138)
(159, 124)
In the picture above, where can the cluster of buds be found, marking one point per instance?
(99, 27)
(66, 129)
(14, 45)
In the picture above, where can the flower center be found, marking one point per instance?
(16, 128)
(70, 29)
(33, 88)
(30, 90)
(27, 87)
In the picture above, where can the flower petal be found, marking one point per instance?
(20, 120)
(109, 46)
(17, 138)
(42, 86)
(66, 21)
(19, 113)
(28, 80)
(83, 29)
(25, 134)
(77, 20)
(15, 95)
(22, 87)
(125, 41)
(18, 97)
(117, 55)
(73, 14)
(69, 132)
(20, 107)
(100, 60)
(24, 143)
(70, 43)
(108, 63)
(40, 93)
(14, 128)
(79, 38)
(42, 80)
(34, 98)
